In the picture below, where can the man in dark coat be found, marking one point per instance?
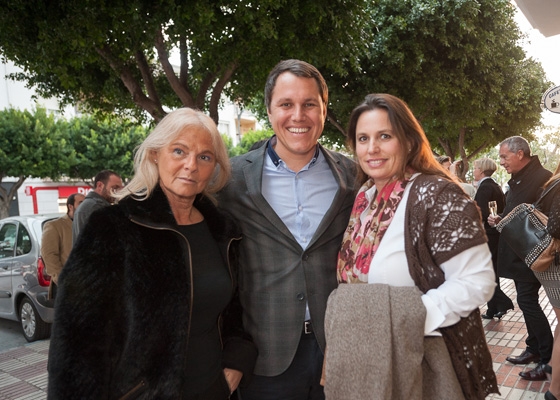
(106, 183)
(525, 186)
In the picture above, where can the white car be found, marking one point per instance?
(24, 282)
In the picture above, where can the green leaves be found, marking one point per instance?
(86, 52)
(103, 144)
(36, 144)
(32, 144)
(456, 63)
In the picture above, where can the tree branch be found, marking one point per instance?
(446, 147)
(218, 89)
(478, 150)
(203, 89)
(181, 91)
(332, 119)
(184, 68)
(462, 142)
(7, 196)
(131, 84)
(147, 76)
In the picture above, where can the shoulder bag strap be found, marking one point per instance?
(547, 191)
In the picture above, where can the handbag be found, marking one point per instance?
(524, 229)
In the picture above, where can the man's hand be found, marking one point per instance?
(493, 220)
(233, 377)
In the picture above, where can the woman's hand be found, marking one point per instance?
(233, 377)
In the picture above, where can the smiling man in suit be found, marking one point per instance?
(292, 198)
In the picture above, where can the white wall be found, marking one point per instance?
(14, 94)
(228, 120)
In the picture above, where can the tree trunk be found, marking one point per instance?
(6, 197)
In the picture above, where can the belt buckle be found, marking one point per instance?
(307, 327)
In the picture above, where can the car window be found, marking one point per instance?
(7, 240)
(23, 241)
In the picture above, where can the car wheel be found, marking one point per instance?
(33, 327)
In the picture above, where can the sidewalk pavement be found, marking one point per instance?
(23, 371)
(507, 337)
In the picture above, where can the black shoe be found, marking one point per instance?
(524, 358)
(535, 374)
(500, 314)
(488, 315)
(549, 396)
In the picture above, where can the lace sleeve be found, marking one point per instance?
(451, 222)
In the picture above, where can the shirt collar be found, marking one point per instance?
(276, 159)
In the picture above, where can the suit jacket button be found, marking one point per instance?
(300, 296)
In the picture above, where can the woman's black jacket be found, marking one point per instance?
(122, 311)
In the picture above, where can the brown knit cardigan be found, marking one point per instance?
(441, 222)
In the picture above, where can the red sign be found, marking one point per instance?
(65, 191)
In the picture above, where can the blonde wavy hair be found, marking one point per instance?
(146, 175)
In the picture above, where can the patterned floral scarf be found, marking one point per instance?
(361, 239)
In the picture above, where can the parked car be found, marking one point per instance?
(24, 281)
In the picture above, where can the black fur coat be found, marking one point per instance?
(122, 310)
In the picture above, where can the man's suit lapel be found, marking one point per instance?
(340, 198)
(252, 172)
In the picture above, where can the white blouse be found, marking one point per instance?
(469, 276)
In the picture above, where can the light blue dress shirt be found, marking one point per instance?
(301, 199)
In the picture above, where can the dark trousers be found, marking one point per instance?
(53, 289)
(539, 335)
(499, 301)
(299, 382)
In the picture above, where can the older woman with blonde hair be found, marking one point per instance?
(488, 190)
(147, 305)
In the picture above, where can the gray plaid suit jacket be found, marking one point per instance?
(277, 277)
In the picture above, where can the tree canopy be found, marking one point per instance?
(103, 144)
(457, 63)
(459, 66)
(115, 56)
(36, 144)
(31, 145)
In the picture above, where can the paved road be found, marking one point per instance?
(10, 335)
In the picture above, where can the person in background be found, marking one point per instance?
(292, 198)
(525, 186)
(488, 190)
(56, 242)
(445, 161)
(412, 227)
(147, 300)
(550, 279)
(106, 184)
(457, 170)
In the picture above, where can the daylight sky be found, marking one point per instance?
(547, 51)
